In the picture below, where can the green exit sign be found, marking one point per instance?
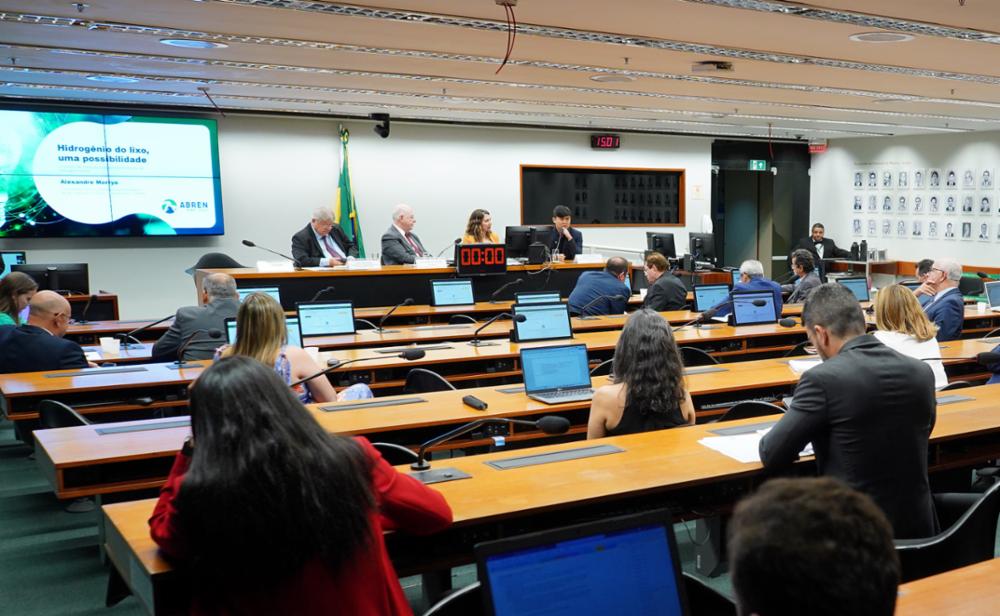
(757, 165)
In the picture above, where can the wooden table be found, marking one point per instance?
(969, 591)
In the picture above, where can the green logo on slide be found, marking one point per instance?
(169, 206)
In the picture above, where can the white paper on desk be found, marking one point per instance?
(799, 366)
(430, 262)
(363, 264)
(743, 448)
(93, 356)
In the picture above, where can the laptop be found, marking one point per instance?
(858, 286)
(11, 257)
(556, 374)
(569, 571)
(993, 295)
(542, 322)
(912, 285)
(325, 318)
(291, 324)
(736, 276)
(754, 308)
(452, 292)
(537, 297)
(708, 295)
(272, 291)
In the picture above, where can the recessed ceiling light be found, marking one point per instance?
(112, 79)
(611, 78)
(881, 37)
(193, 44)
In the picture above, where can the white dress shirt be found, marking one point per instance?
(911, 347)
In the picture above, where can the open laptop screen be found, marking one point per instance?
(456, 292)
(542, 322)
(858, 285)
(326, 318)
(272, 291)
(291, 325)
(11, 257)
(537, 297)
(993, 294)
(736, 276)
(708, 295)
(556, 367)
(751, 308)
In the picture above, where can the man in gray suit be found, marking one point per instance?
(399, 244)
(220, 301)
(805, 268)
(867, 410)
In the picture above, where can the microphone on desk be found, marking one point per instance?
(335, 364)
(406, 302)
(143, 401)
(213, 333)
(295, 263)
(697, 321)
(475, 335)
(457, 241)
(583, 311)
(131, 335)
(322, 292)
(515, 282)
(549, 424)
(83, 315)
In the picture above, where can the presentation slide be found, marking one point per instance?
(76, 174)
(326, 319)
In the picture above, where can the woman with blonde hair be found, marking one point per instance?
(479, 229)
(261, 334)
(16, 291)
(904, 327)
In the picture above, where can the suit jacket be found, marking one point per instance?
(307, 252)
(591, 285)
(190, 319)
(868, 412)
(667, 293)
(948, 313)
(396, 250)
(557, 242)
(830, 249)
(32, 349)
(800, 292)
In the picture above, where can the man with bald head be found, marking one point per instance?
(38, 344)
(219, 301)
(399, 244)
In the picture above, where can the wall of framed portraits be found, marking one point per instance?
(922, 196)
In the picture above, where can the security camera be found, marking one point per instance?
(381, 129)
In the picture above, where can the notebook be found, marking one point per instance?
(754, 308)
(858, 285)
(708, 295)
(325, 318)
(452, 292)
(542, 322)
(272, 291)
(291, 324)
(537, 297)
(557, 374)
(993, 295)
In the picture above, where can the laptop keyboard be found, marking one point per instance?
(570, 393)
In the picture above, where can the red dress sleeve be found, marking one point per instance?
(162, 524)
(404, 503)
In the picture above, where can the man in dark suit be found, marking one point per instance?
(592, 285)
(821, 247)
(563, 240)
(867, 410)
(399, 244)
(666, 291)
(947, 308)
(38, 344)
(219, 301)
(322, 243)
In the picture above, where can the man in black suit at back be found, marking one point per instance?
(38, 344)
(821, 247)
(219, 301)
(322, 243)
(666, 291)
(867, 410)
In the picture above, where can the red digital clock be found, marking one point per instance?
(480, 259)
(605, 142)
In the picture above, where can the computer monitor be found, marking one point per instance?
(328, 318)
(272, 291)
(858, 286)
(537, 297)
(702, 246)
(662, 243)
(708, 295)
(65, 278)
(452, 292)
(736, 276)
(517, 239)
(754, 308)
(993, 295)
(9, 258)
(569, 570)
(542, 322)
(551, 368)
(291, 326)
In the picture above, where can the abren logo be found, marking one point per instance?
(169, 206)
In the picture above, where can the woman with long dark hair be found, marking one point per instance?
(273, 515)
(647, 391)
(16, 291)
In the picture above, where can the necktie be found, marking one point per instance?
(332, 248)
(413, 242)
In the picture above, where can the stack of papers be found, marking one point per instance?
(801, 365)
(744, 448)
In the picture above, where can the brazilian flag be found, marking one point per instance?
(345, 213)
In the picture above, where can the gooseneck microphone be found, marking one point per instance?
(457, 241)
(697, 321)
(583, 311)
(475, 335)
(406, 302)
(213, 333)
(512, 283)
(322, 292)
(335, 364)
(131, 335)
(83, 315)
(273, 252)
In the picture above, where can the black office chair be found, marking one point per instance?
(799, 349)
(214, 260)
(970, 285)
(956, 385)
(55, 414)
(395, 454)
(750, 408)
(466, 601)
(603, 368)
(457, 319)
(422, 380)
(691, 357)
(704, 600)
(970, 539)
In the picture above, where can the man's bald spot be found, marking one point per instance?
(48, 302)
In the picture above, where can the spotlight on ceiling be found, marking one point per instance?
(382, 128)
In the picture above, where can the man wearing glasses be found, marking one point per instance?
(38, 345)
(946, 307)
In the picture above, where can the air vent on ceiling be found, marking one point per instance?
(712, 66)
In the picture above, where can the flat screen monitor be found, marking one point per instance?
(85, 174)
(569, 570)
(662, 243)
(551, 368)
(272, 291)
(537, 297)
(702, 246)
(708, 295)
(9, 258)
(291, 326)
(452, 292)
(517, 239)
(754, 308)
(326, 318)
(542, 322)
(858, 286)
(65, 278)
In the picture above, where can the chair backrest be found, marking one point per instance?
(971, 285)
(704, 600)
(422, 380)
(798, 349)
(971, 539)
(55, 414)
(602, 368)
(956, 385)
(456, 319)
(466, 601)
(395, 454)
(215, 260)
(696, 357)
(750, 408)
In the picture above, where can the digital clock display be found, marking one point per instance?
(480, 259)
(605, 142)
